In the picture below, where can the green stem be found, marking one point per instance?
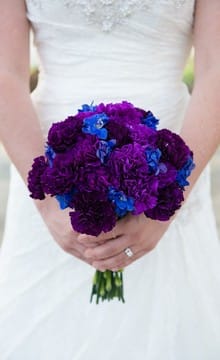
(107, 285)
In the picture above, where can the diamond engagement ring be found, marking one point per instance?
(128, 252)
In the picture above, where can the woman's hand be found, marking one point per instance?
(138, 233)
(59, 225)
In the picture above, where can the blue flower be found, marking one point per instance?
(123, 204)
(183, 173)
(87, 108)
(94, 125)
(105, 149)
(153, 160)
(150, 120)
(50, 155)
(66, 199)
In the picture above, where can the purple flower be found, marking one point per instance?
(123, 113)
(93, 177)
(169, 200)
(59, 179)
(130, 173)
(84, 151)
(79, 167)
(93, 213)
(63, 135)
(167, 176)
(173, 148)
(34, 178)
(119, 132)
(141, 134)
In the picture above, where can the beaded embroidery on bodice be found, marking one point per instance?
(105, 13)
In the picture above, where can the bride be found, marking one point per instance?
(109, 50)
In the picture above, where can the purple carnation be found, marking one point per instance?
(119, 132)
(130, 173)
(169, 200)
(63, 135)
(93, 213)
(142, 113)
(59, 179)
(168, 176)
(142, 135)
(93, 177)
(34, 178)
(84, 151)
(173, 148)
(123, 113)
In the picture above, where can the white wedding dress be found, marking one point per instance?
(111, 50)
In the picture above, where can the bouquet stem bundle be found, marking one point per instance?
(107, 285)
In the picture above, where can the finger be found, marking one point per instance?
(108, 249)
(88, 241)
(102, 238)
(123, 225)
(112, 248)
(117, 262)
(69, 245)
(122, 260)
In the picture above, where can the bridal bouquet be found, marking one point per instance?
(105, 162)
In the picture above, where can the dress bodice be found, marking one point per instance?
(106, 14)
(107, 50)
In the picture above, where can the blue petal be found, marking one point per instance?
(151, 121)
(50, 154)
(94, 125)
(65, 199)
(112, 143)
(87, 108)
(123, 204)
(153, 158)
(105, 148)
(102, 134)
(162, 168)
(183, 173)
(86, 130)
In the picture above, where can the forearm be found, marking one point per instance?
(20, 130)
(201, 127)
